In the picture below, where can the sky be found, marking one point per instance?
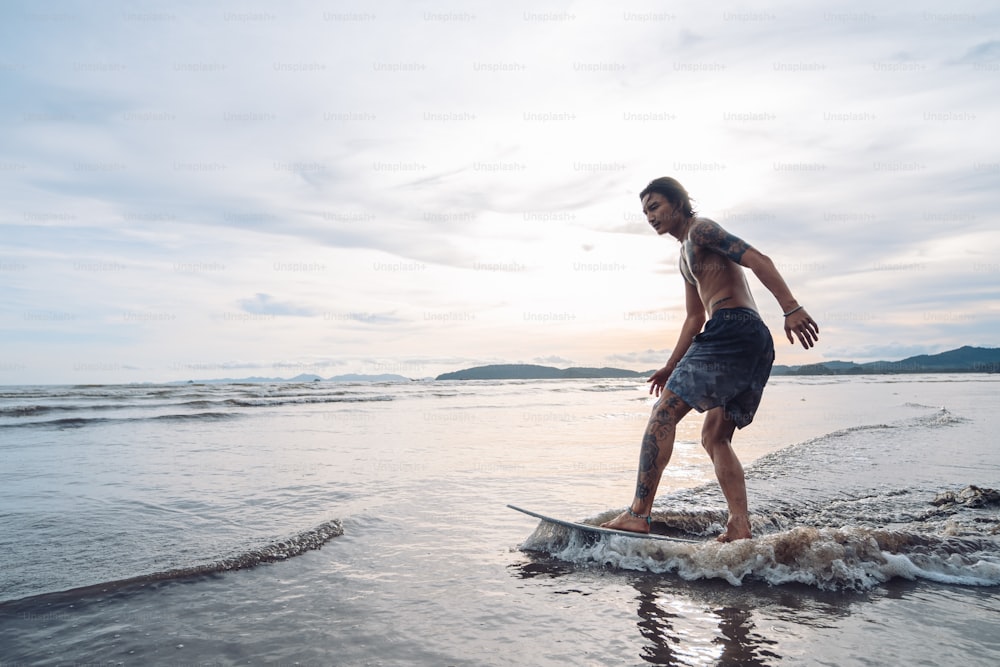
(204, 190)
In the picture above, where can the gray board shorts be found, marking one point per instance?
(727, 365)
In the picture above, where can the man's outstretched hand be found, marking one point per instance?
(803, 326)
(658, 380)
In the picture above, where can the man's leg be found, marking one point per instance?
(716, 438)
(657, 446)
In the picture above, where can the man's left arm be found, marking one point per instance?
(797, 320)
(710, 234)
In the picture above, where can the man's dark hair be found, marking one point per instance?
(673, 191)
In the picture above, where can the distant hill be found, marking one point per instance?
(534, 372)
(963, 360)
(966, 359)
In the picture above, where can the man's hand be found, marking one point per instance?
(659, 380)
(804, 327)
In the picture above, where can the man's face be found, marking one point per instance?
(658, 211)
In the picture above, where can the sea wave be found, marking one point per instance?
(82, 422)
(848, 558)
(209, 407)
(611, 387)
(280, 550)
(15, 411)
(848, 510)
(306, 400)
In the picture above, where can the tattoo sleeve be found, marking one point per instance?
(647, 465)
(711, 235)
(659, 430)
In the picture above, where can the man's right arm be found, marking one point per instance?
(693, 322)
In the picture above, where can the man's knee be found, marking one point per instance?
(717, 431)
(672, 404)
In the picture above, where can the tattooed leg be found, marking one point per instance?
(657, 447)
(654, 454)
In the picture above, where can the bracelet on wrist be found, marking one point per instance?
(793, 310)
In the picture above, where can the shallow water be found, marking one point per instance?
(433, 569)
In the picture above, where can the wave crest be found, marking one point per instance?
(296, 545)
(850, 558)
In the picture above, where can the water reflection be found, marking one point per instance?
(706, 622)
(682, 630)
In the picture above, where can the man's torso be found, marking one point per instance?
(720, 281)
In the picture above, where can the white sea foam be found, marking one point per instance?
(829, 559)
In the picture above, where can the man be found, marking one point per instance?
(723, 369)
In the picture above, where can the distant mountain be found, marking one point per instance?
(534, 372)
(965, 359)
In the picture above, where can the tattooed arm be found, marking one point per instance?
(711, 235)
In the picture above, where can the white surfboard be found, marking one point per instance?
(597, 530)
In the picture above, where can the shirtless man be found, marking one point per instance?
(723, 369)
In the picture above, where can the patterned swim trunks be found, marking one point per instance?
(728, 364)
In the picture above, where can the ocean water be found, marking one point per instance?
(366, 524)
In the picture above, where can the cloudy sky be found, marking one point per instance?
(201, 190)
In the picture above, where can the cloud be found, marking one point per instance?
(654, 357)
(553, 359)
(982, 53)
(435, 185)
(368, 318)
(264, 304)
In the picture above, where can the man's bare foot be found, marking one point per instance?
(737, 528)
(625, 521)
